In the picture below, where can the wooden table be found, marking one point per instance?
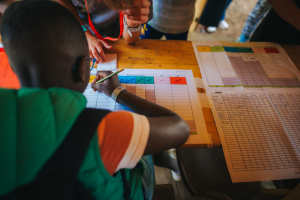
(159, 54)
(168, 54)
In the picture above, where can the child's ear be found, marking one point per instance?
(80, 69)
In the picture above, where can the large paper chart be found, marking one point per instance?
(260, 134)
(173, 89)
(225, 64)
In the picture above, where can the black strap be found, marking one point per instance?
(68, 157)
(126, 185)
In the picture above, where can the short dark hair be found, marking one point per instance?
(39, 28)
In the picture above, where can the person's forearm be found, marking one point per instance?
(131, 40)
(142, 106)
(287, 10)
(167, 129)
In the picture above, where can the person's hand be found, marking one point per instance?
(109, 85)
(138, 14)
(95, 47)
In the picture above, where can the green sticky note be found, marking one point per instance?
(245, 50)
(149, 80)
(140, 80)
(217, 49)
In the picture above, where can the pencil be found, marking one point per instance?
(100, 81)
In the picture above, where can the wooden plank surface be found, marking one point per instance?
(168, 54)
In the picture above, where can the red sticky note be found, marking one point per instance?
(8, 79)
(271, 50)
(178, 80)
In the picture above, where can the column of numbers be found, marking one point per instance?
(163, 92)
(210, 68)
(254, 135)
(287, 107)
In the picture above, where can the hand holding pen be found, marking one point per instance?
(106, 81)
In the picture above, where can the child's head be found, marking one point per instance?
(43, 42)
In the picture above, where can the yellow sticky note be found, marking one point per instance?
(203, 49)
(92, 77)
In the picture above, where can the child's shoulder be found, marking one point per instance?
(122, 137)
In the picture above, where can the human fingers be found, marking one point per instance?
(96, 55)
(91, 55)
(137, 11)
(104, 74)
(106, 86)
(140, 3)
(97, 86)
(97, 78)
(141, 19)
(106, 45)
(100, 52)
(100, 75)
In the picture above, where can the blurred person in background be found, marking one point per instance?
(106, 19)
(213, 16)
(257, 13)
(281, 24)
(171, 18)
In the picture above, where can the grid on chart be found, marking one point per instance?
(245, 66)
(169, 92)
(254, 135)
(287, 106)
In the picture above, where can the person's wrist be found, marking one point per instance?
(88, 34)
(115, 94)
(132, 24)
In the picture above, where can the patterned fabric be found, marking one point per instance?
(172, 16)
(273, 28)
(148, 177)
(257, 13)
(105, 20)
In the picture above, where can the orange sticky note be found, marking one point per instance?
(203, 49)
(8, 79)
(92, 77)
(178, 80)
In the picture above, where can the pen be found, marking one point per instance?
(110, 76)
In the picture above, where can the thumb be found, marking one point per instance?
(106, 45)
(97, 86)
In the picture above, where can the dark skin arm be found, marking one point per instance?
(167, 129)
(287, 10)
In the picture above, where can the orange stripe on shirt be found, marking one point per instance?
(114, 134)
(8, 79)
